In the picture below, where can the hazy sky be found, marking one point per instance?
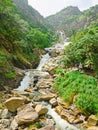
(48, 7)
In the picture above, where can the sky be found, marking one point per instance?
(49, 7)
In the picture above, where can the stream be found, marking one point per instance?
(60, 123)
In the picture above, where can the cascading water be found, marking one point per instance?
(44, 60)
(60, 123)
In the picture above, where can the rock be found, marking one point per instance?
(93, 128)
(47, 97)
(93, 120)
(41, 110)
(48, 127)
(5, 114)
(13, 103)
(30, 90)
(50, 122)
(53, 102)
(26, 114)
(4, 123)
(17, 93)
(14, 125)
(44, 83)
(59, 109)
(77, 121)
(60, 101)
(65, 115)
(52, 69)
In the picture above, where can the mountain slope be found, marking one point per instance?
(21, 40)
(28, 12)
(71, 18)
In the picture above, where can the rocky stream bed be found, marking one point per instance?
(34, 105)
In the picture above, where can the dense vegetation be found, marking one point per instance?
(20, 41)
(82, 89)
(84, 48)
(78, 88)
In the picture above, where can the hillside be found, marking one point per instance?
(21, 40)
(28, 12)
(71, 18)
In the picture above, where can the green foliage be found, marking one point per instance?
(80, 88)
(84, 48)
(10, 75)
(38, 39)
(18, 40)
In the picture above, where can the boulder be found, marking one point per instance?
(47, 97)
(13, 103)
(48, 127)
(93, 120)
(26, 114)
(53, 102)
(41, 110)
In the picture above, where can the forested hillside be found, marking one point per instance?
(77, 80)
(20, 38)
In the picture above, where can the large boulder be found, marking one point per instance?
(48, 127)
(41, 110)
(26, 114)
(13, 103)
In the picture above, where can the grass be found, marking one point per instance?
(83, 87)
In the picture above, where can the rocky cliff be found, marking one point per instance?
(71, 18)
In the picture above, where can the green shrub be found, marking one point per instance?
(82, 86)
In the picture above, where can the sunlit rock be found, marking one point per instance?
(13, 103)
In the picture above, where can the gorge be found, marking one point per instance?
(42, 86)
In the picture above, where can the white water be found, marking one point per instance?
(25, 82)
(44, 60)
(60, 123)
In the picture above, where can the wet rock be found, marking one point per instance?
(48, 127)
(26, 114)
(53, 102)
(41, 110)
(93, 128)
(93, 120)
(13, 103)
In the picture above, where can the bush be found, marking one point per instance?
(82, 86)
